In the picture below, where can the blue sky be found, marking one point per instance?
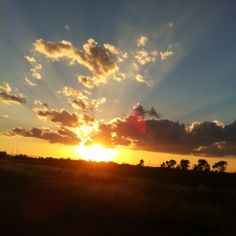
(199, 83)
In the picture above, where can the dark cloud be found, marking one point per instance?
(62, 117)
(88, 106)
(230, 130)
(223, 141)
(87, 118)
(222, 148)
(140, 111)
(62, 136)
(8, 98)
(206, 133)
(142, 129)
(80, 104)
(163, 135)
(81, 101)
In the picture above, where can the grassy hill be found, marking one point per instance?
(66, 197)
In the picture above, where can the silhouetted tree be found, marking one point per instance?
(141, 162)
(3, 154)
(169, 164)
(184, 164)
(202, 165)
(220, 166)
(21, 156)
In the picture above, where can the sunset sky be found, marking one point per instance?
(145, 79)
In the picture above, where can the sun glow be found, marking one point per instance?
(96, 152)
(85, 131)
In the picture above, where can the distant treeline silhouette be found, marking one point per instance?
(202, 165)
(184, 164)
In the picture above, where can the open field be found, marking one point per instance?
(66, 197)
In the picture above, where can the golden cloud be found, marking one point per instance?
(143, 56)
(5, 86)
(72, 92)
(94, 57)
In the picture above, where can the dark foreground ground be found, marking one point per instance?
(63, 197)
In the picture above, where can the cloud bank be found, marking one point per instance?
(104, 62)
(139, 131)
(142, 129)
(62, 136)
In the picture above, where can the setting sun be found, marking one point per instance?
(96, 152)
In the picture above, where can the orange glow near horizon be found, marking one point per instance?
(96, 152)
(19, 145)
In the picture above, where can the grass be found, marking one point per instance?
(66, 197)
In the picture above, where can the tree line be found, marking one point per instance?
(184, 164)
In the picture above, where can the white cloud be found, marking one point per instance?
(4, 116)
(40, 103)
(30, 59)
(119, 76)
(30, 82)
(139, 78)
(144, 56)
(164, 55)
(35, 69)
(35, 73)
(142, 41)
(67, 27)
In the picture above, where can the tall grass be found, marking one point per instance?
(65, 197)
